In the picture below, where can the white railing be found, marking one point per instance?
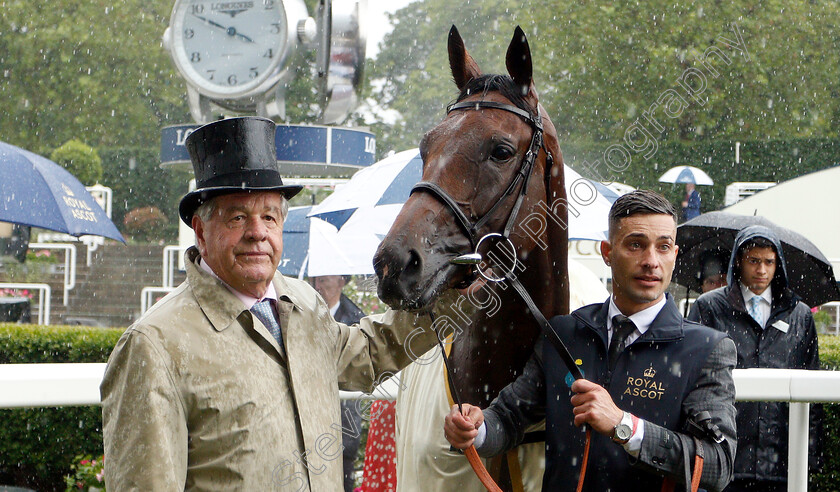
(69, 264)
(147, 296)
(171, 254)
(43, 385)
(49, 385)
(800, 388)
(92, 242)
(44, 292)
(836, 306)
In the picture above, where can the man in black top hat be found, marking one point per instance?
(231, 381)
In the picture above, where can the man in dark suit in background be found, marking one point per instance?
(344, 311)
(648, 373)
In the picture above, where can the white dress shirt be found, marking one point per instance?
(249, 301)
(765, 304)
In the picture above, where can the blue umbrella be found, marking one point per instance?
(38, 192)
(295, 241)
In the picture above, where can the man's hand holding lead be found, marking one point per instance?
(460, 429)
(593, 405)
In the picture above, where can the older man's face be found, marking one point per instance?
(243, 239)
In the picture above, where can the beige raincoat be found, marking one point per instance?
(198, 395)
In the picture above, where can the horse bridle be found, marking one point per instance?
(523, 175)
(471, 229)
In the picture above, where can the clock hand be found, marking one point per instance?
(240, 35)
(211, 22)
(231, 31)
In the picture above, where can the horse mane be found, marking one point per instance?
(502, 84)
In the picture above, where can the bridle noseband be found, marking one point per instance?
(469, 227)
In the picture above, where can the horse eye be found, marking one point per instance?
(501, 153)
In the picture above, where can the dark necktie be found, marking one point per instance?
(265, 313)
(622, 328)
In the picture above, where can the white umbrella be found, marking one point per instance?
(314, 247)
(686, 174)
(374, 196)
(387, 182)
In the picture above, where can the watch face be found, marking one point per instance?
(623, 432)
(227, 48)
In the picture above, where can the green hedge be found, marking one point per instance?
(829, 479)
(37, 445)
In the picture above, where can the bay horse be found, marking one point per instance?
(493, 165)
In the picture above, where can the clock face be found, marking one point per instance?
(227, 48)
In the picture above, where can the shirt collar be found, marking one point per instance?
(643, 319)
(767, 295)
(270, 293)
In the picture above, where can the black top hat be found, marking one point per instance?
(230, 156)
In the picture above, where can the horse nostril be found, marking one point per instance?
(414, 264)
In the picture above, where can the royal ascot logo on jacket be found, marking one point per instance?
(646, 386)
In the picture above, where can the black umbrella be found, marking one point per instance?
(809, 272)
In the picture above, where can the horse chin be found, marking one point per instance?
(422, 295)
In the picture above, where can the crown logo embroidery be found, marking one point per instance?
(650, 372)
(67, 191)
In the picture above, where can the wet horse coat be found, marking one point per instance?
(474, 155)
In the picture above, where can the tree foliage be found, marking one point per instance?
(80, 160)
(93, 70)
(598, 67)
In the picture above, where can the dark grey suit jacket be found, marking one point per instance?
(522, 403)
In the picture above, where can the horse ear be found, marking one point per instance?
(463, 67)
(518, 62)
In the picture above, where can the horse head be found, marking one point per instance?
(475, 182)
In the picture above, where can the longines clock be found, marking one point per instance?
(235, 53)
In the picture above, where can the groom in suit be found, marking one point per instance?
(648, 373)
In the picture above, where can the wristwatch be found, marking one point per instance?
(624, 430)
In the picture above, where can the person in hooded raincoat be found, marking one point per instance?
(771, 328)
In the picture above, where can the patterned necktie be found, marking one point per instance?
(755, 310)
(265, 313)
(622, 328)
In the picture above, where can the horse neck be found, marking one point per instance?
(499, 339)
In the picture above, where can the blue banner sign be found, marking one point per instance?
(302, 150)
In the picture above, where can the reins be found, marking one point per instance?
(471, 230)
